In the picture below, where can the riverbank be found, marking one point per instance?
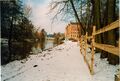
(27, 49)
(61, 63)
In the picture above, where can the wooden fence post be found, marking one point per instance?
(92, 58)
(81, 45)
(85, 49)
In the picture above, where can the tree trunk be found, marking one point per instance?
(97, 19)
(88, 15)
(10, 39)
(104, 54)
(76, 15)
(111, 34)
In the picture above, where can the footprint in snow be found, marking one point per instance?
(35, 65)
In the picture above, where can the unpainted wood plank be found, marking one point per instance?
(108, 27)
(109, 48)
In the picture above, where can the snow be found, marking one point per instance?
(103, 70)
(61, 63)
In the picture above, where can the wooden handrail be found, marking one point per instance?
(109, 48)
(108, 27)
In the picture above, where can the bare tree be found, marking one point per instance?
(66, 6)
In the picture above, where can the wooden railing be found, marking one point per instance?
(108, 48)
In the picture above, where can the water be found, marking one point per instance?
(36, 48)
(23, 50)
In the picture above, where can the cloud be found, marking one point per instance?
(40, 17)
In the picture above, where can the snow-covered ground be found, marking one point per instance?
(62, 63)
(103, 70)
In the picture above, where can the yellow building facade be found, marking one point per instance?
(73, 31)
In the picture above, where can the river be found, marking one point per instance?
(23, 50)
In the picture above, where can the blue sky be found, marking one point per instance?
(41, 18)
(35, 2)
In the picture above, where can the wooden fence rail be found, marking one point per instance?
(108, 27)
(108, 48)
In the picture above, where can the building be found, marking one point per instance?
(72, 31)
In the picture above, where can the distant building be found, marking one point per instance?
(72, 31)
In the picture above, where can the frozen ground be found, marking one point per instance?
(62, 63)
